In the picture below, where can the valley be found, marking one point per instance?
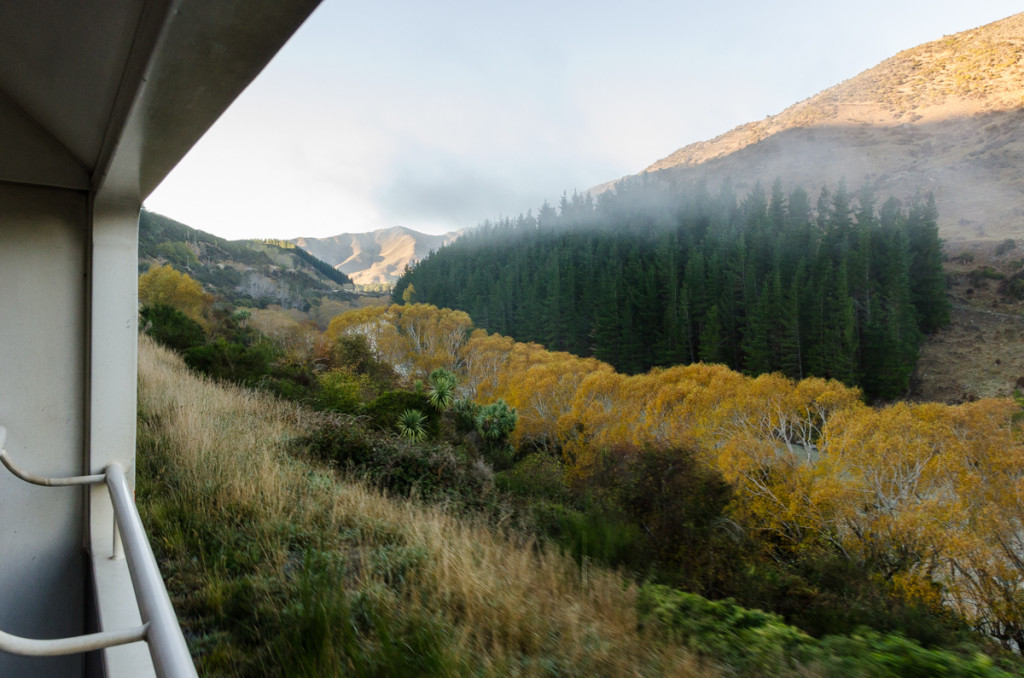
(749, 412)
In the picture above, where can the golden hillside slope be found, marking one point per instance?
(945, 117)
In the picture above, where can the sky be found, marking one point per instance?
(439, 115)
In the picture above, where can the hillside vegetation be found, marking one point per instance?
(281, 567)
(249, 272)
(512, 476)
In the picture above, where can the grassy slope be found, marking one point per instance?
(281, 567)
(277, 567)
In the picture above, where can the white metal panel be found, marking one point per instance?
(32, 156)
(42, 383)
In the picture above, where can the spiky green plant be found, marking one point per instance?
(496, 421)
(442, 389)
(412, 424)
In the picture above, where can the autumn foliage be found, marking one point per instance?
(164, 285)
(931, 496)
(693, 468)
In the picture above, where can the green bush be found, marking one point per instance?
(538, 476)
(432, 471)
(464, 412)
(352, 352)
(1014, 286)
(171, 327)
(341, 391)
(827, 593)
(231, 361)
(590, 534)
(873, 655)
(979, 275)
(292, 382)
(386, 409)
(1005, 246)
(756, 643)
(680, 503)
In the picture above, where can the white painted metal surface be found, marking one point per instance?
(98, 102)
(160, 627)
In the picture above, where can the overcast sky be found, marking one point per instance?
(437, 115)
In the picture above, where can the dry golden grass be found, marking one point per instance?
(505, 605)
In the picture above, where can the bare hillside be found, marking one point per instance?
(981, 353)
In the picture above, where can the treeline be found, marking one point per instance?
(322, 267)
(650, 275)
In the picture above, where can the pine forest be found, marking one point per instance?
(651, 275)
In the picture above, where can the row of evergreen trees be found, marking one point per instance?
(651, 275)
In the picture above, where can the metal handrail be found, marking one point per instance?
(160, 628)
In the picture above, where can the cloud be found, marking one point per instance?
(432, 189)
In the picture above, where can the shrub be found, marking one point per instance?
(1014, 286)
(171, 327)
(353, 352)
(680, 504)
(751, 641)
(432, 471)
(756, 643)
(538, 476)
(588, 535)
(1005, 246)
(341, 391)
(464, 412)
(292, 382)
(963, 258)
(980, 275)
(386, 409)
(232, 361)
(874, 655)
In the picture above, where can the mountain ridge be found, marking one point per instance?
(252, 272)
(376, 257)
(945, 117)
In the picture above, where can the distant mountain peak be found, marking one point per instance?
(376, 257)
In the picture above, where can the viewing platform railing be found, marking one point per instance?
(160, 628)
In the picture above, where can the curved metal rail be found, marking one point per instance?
(160, 627)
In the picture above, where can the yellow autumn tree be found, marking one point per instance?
(165, 285)
(541, 385)
(981, 521)
(295, 334)
(431, 337)
(483, 362)
(415, 338)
